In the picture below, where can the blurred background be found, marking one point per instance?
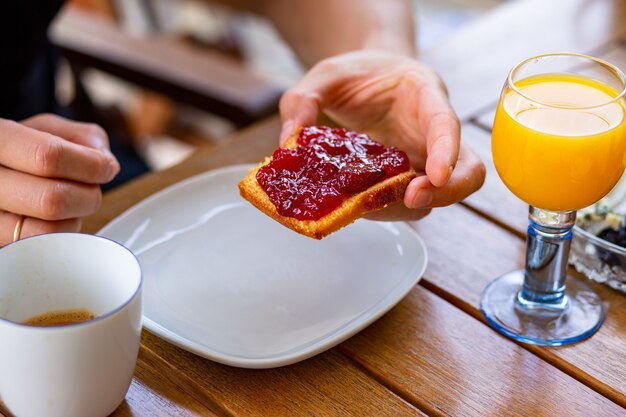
(125, 58)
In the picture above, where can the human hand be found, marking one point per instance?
(397, 101)
(50, 171)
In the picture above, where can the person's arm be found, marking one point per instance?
(323, 28)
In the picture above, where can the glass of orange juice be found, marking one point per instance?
(559, 144)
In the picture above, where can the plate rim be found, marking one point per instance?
(327, 341)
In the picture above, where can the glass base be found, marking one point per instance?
(528, 322)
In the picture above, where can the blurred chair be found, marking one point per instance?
(205, 78)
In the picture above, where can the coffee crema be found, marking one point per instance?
(60, 317)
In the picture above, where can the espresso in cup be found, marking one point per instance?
(60, 317)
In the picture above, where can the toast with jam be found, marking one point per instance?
(323, 179)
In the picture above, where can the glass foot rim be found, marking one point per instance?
(514, 280)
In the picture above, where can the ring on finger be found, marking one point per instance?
(17, 231)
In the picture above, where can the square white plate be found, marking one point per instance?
(223, 280)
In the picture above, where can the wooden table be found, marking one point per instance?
(433, 354)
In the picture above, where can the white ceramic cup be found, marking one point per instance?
(81, 369)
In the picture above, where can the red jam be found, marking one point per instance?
(328, 166)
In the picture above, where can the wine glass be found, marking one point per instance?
(559, 144)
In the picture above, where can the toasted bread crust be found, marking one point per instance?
(374, 198)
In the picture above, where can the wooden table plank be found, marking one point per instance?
(599, 361)
(426, 348)
(327, 384)
(475, 60)
(152, 393)
(451, 364)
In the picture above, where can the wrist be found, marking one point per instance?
(390, 42)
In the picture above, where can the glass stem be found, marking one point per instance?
(547, 250)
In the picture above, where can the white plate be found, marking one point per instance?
(226, 282)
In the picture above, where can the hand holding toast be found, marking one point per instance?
(398, 101)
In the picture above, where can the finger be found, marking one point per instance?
(467, 177)
(47, 155)
(441, 127)
(443, 148)
(45, 198)
(301, 104)
(419, 193)
(86, 134)
(298, 108)
(33, 226)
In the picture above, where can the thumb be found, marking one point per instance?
(298, 108)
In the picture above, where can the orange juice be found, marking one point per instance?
(550, 152)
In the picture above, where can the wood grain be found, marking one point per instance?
(327, 384)
(152, 393)
(599, 361)
(451, 364)
(431, 363)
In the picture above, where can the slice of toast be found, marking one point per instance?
(378, 196)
